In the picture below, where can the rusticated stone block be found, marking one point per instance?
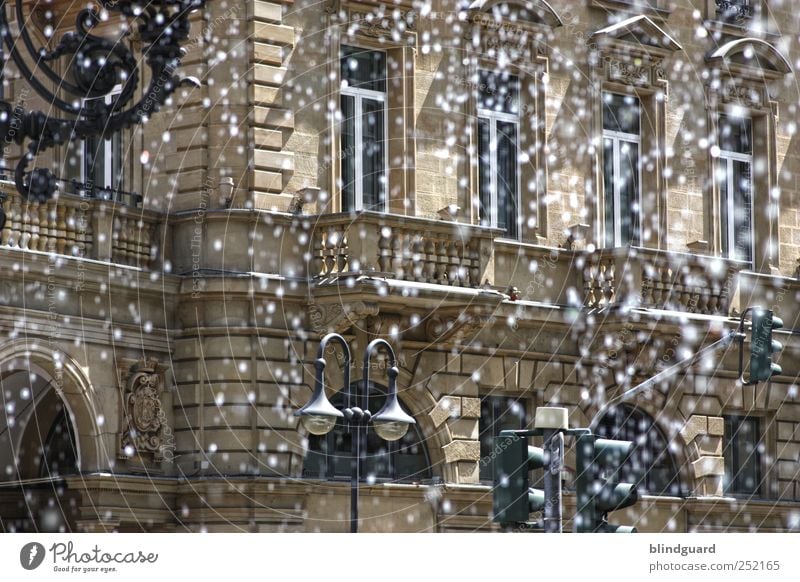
(462, 451)
(696, 425)
(470, 407)
(709, 466)
(447, 407)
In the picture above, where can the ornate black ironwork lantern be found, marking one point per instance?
(95, 66)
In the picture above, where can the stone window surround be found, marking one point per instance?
(379, 34)
(745, 89)
(531, 68)
(767, 423)
(626, 67)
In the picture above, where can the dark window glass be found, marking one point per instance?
(742, 452)
(498, 413)
(650, 466)
(629, 192)
(364, 69)
(485, 174)
(498, 92)
(348, 158)
(373, 154)
(621, 113)
(507, 177)
(59, 455)
(329, 456)
(735, 134)
(608, 181)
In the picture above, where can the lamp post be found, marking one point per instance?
(319, 416)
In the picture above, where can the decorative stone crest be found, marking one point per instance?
(142, 411)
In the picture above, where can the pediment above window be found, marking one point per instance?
(749, 58)
(517, 12)
(638, 34)
(392, 22)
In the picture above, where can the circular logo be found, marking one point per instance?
(31, 555)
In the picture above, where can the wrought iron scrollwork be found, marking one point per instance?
(96, 68)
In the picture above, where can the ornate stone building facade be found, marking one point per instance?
(536, 203)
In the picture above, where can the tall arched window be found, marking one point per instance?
(329, 456)
(650, 465)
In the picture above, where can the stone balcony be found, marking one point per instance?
(433, 255)
(80, 227)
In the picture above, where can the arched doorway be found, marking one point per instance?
(651, 465)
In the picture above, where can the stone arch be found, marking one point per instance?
(663, 409)
(750, 58)
(70, 382)
(529, 11)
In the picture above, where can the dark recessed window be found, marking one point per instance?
(651, 465)
(59, 454)
(330, 456)
(742, 452)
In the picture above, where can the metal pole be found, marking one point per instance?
(553, 459)
(354, 475)
(720, 344)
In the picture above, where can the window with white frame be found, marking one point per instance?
(94, 164)
(363, 129)
(498, 147)
(621, 169)
(735, 177)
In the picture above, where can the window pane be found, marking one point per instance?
(507, 177)
(650, 465)
(742, 455)
(621, 113)
(374, 160)
(722, 179)
(608, 183)
(742, 210)
(735, 134)
(364, 69)
(628, 183)
(485, 170)
(498, 92)
(348, 148)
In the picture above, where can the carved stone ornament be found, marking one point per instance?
(142, 411)
(382, 22)
(339, 317)
(629, 73)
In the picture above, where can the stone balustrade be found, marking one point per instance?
(660, 279)
(403, 248)
(82, 227)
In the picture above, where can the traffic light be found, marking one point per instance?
(513, 498)
(762, 346)
(597, 489)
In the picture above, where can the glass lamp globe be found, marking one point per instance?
(390, 430)
(318, 424)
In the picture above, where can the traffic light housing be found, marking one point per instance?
(762, 346)
(513, 499)
(597, 489)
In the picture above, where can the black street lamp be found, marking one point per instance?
(319, 416)
(86, 101)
